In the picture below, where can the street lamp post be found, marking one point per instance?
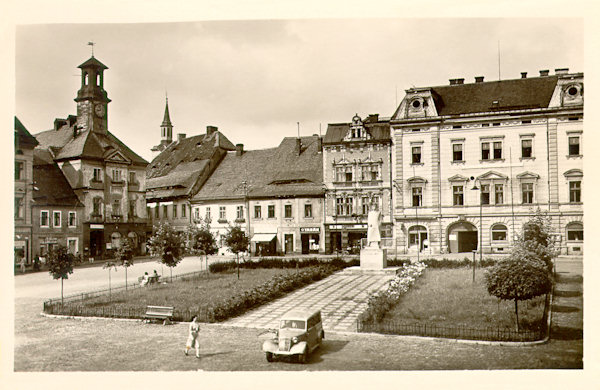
(475, 180)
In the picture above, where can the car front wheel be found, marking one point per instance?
(269, 356)
(302, 358)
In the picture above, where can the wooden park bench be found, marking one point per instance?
(151, 279)
(164, 313)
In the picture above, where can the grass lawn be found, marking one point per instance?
(195, 293)
(448, 297)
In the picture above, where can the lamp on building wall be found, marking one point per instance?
(475, 188)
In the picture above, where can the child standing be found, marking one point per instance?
(193, 337)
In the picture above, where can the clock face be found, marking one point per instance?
(99, 109)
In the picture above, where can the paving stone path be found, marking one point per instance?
(567, 303)
(341, 297)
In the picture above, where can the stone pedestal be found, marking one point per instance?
(372, 258)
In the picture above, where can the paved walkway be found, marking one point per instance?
(342, 297)
(567, 303)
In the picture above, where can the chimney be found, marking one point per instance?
(210, 130)
(58, 123)
(561, 70)
(320, 144)
(373, 118)
(544, 73)
(523, 75)
(180, 136)
(479, 79)
(452, 81)
(460, 81)
(298, 148)
(239, 149)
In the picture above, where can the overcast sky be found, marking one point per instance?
(255, 80)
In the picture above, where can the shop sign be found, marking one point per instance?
(341, 227)
(310, 229)
(50, 240)
(96, 226)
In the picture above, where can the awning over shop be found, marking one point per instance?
(263, 237)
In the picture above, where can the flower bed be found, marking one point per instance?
(380, 303)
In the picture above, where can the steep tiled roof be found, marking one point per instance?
(52, 188)
(534, 92)
(85, 144)
(183, 175)
(22, 137)
(195, 148)
(93, 62)
(274, 172)
(380, 131)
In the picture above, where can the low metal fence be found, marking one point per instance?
(452, 332)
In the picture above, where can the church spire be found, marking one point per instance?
(166, 128)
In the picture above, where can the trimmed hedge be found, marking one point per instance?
(281, 263)
(268, 291)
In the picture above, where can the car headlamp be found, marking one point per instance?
(295, 339)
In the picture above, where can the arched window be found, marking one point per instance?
(575, 231)
(499, 232)
(85, 78)
(115, 239)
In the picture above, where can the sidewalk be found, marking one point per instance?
(567, 303)
(340, 297)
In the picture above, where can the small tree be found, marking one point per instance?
(124, 256)
(237, 241)
(201, 241)
(518, 280)
(168, 245)
(110, 265)
(60, 264)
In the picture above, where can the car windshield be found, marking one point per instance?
(293, 324)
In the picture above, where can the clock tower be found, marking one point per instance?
(92, 100)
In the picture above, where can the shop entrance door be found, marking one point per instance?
(289, 243)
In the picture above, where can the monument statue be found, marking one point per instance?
(373, 233)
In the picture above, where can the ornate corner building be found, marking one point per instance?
(473, 162)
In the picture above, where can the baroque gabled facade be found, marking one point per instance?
(357, 177)
(473, 162)
(107, 176)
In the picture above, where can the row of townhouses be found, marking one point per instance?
(455, 168)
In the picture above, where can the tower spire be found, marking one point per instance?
(166, 127)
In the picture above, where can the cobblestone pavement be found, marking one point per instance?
(340, 297)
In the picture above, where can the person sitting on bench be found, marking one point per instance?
(144, 281)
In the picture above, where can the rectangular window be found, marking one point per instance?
(457, 152)
(56, 219)
(240, 212)
(72, 218)
(116, 209)
(340, 174)
(527, 191)
(485, 150)
(499, 193)
(458, 195)
(308, 211)
(365, 205)
(526, 148)
(196, 213)
(183, 210)
(497, 150)
(344, 206)
(574, 146)
(165, 212)
(131, 177)
(348, 173)
(97, 174)
(208, 217)
(222, 215)
(375, 201)
(96, 206)
(417, 196)
(370, 172)
(271, 211)
(575, 191)
(257, 212)
(116, 175)
(575, 235)
(44, 218)
(19, 209)
(132, 208)
(288, 210)
(19, 170)
(174, 211)
(416, 154)
(485, 194)
(157, 212)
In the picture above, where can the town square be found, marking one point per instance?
(326, 196)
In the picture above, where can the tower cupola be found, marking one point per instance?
(92, 100)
